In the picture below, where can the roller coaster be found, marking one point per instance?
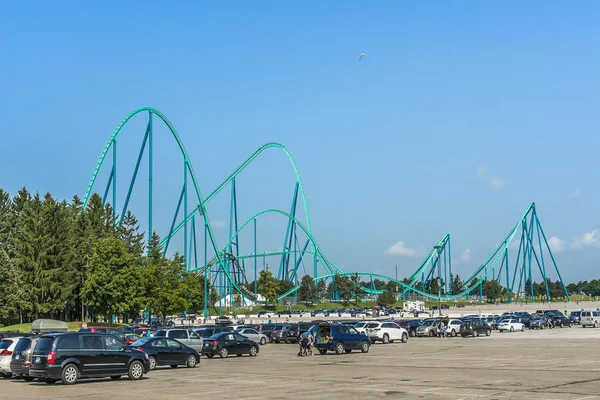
(231, 271)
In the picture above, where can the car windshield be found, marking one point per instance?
(141, 342)
(352, 331)
(360, 324)
(428, 322)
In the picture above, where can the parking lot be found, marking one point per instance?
(549, 364)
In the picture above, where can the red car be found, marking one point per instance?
(112, 331)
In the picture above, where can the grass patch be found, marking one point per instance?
(72, 326)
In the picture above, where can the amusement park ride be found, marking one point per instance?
(228, 270)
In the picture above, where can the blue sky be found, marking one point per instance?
(461, 114)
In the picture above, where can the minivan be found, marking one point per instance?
(74, 355)
(590, 318)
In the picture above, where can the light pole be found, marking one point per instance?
(439, 280)
(396, 282)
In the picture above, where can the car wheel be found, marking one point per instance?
(223, 352)
(522, 328)
(404, 337)
(253, 350)
(475, 333)
(69, 375)
(431, 334)
(323, 352)
(386, 338)
(152, 360)
(263, 341)
(561, 325)
(339, 348)
(115, 377)
(453, 333)
(595, 325)
(136, 370)
(570, 325)
(413, 333)
(364, 347)
(488, 332)
(7, 375)
(512, 329)
(191, 361)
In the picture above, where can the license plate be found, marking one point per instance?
(17, 357)
(37, 360)
(206, 344)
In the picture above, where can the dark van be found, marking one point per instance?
(74, 355)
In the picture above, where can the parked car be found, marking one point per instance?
(386, 332)
(7, 346)
(74, 355)
(590, 318)
(475, 327)
(511, 325)
(112, 331)
(226, 343)
(280, 334)
(562, 321)
(21, 357)
(538, 323)
(339, 338)
(410, 325)
(429, 327)
(185, 336)
(253, 335)
(453, 327)
(163, 351)
(575, 317)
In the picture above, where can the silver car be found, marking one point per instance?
(253, 335)
(185, 336)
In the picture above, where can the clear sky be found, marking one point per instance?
(461, 114)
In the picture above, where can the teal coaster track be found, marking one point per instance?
(226, 268)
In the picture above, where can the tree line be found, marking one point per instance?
(61, 260)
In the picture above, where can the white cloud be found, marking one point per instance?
(577, 194)
(481, 172)
(497, 183)
(557, 244)
(589, 239)
(400, 249)
(217, 224)
(466, 255)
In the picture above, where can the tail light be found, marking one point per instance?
(331, 338)
(5, 353)
(213, 343)
(51, 358)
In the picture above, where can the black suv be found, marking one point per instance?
(475, 327)
(74, 355)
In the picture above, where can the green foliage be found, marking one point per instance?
(457, 285)
(308, 290)
(492, 290)
(268, 286)
(344, 287)
(59, 260)
(387, 298)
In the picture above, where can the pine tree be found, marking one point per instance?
(128, 231)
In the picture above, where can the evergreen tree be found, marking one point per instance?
(308, 290)
(128, 231)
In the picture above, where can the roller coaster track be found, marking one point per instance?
(497, 262)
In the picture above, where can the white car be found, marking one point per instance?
(386, 332)
(7, 346)
(511, 325)
(453, 327)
